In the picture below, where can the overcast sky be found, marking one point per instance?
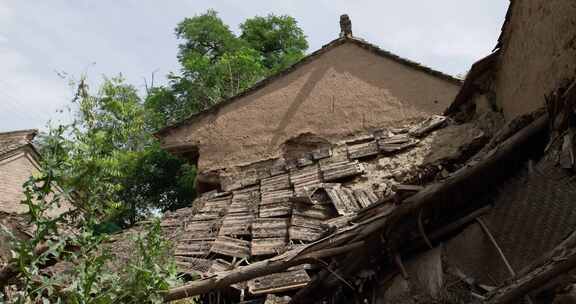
(41, 40)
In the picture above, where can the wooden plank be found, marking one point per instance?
(278, 196)
(428, 125)
(306, 228)
(278, 182)
(305, 233)
(305, 221)
(231, 247)
(279, 282)
(343, 200)
(206, 216)
(237, 224)
(203, 229)
(193, 248)
(365, 198)
(363, 150)
(268, 246)
(396, 143)
(241, 207)
(339, 170)
(270, 227)
(245, 200)
(360, 139)
(397, 139)
(305, 178)
(216, 205)
(334, 195)
(275, 210)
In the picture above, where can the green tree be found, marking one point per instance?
(216, 64)
(156, 181)
(278, 39)
(115, 166)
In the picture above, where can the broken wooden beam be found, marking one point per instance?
(279, 282)
(428, 125)
(258, 269)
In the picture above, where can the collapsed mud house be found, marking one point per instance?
(374, 198)
(305, 152)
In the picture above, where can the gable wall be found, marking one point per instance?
(13, 173)
(344, 91)
(538, 54)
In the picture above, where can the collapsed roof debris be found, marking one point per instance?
(288, 211)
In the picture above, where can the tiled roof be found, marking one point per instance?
(14, 140)
(260, 215)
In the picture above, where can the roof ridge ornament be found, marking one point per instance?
(345, 26)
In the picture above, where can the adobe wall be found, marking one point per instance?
(538, 55)
(344, 91)
(14, 172)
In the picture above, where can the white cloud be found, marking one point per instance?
(6, 13)
(27, 100)
(11, 60)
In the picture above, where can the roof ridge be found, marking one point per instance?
(15, 140)
(14, 132)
